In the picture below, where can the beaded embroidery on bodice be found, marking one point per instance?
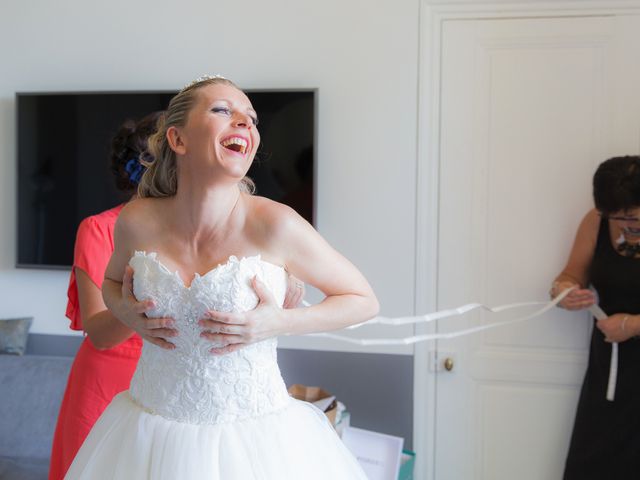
(188, 383)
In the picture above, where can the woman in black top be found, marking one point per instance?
(606, 255)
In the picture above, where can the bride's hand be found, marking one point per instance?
(131, 312)
(234, 330)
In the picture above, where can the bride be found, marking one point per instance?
(209, 260)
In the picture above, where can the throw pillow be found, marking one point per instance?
(13, 335)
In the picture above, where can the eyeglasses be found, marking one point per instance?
(620, 218)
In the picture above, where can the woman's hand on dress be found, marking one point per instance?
(295, 292)
(577, 299)
(618, 328)
(131, 313)
(234, 330)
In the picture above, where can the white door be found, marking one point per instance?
(529, 108)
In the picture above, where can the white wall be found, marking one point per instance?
(362, 56)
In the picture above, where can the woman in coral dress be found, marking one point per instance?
(108, 356)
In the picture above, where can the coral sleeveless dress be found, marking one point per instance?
(96, 375)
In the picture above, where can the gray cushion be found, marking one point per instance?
(17, 468)
(31, 389)
(13, 335)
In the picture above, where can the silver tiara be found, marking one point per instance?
(202, 78)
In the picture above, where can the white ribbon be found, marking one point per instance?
(454, 312)
(595, 310)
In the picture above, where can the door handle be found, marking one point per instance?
(448, 364)
(442, 361)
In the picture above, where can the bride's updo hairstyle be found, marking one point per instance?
(160, 178)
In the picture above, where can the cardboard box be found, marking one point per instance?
(313, 394)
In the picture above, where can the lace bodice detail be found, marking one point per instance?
(188, 383)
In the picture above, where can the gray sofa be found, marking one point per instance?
(31, 389)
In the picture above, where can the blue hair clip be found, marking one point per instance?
(135, 170)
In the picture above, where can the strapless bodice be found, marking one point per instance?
(189, 384)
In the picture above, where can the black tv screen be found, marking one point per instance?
(64, 141)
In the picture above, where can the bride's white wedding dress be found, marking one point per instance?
(192, 415)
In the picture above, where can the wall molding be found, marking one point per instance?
(530, 8)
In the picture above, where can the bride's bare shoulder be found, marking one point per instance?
(141, 217)
(272, 216)
(277, 229)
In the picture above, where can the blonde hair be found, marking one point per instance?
(160, 179)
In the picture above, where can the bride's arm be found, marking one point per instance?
(349, 297)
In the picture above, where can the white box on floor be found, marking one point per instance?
(378, 454)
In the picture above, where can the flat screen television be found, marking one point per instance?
(63, 169)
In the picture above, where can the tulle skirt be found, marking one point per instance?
(296, 442)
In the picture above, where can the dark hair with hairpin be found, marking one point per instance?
(128, 147)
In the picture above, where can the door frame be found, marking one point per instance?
(432, 14)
